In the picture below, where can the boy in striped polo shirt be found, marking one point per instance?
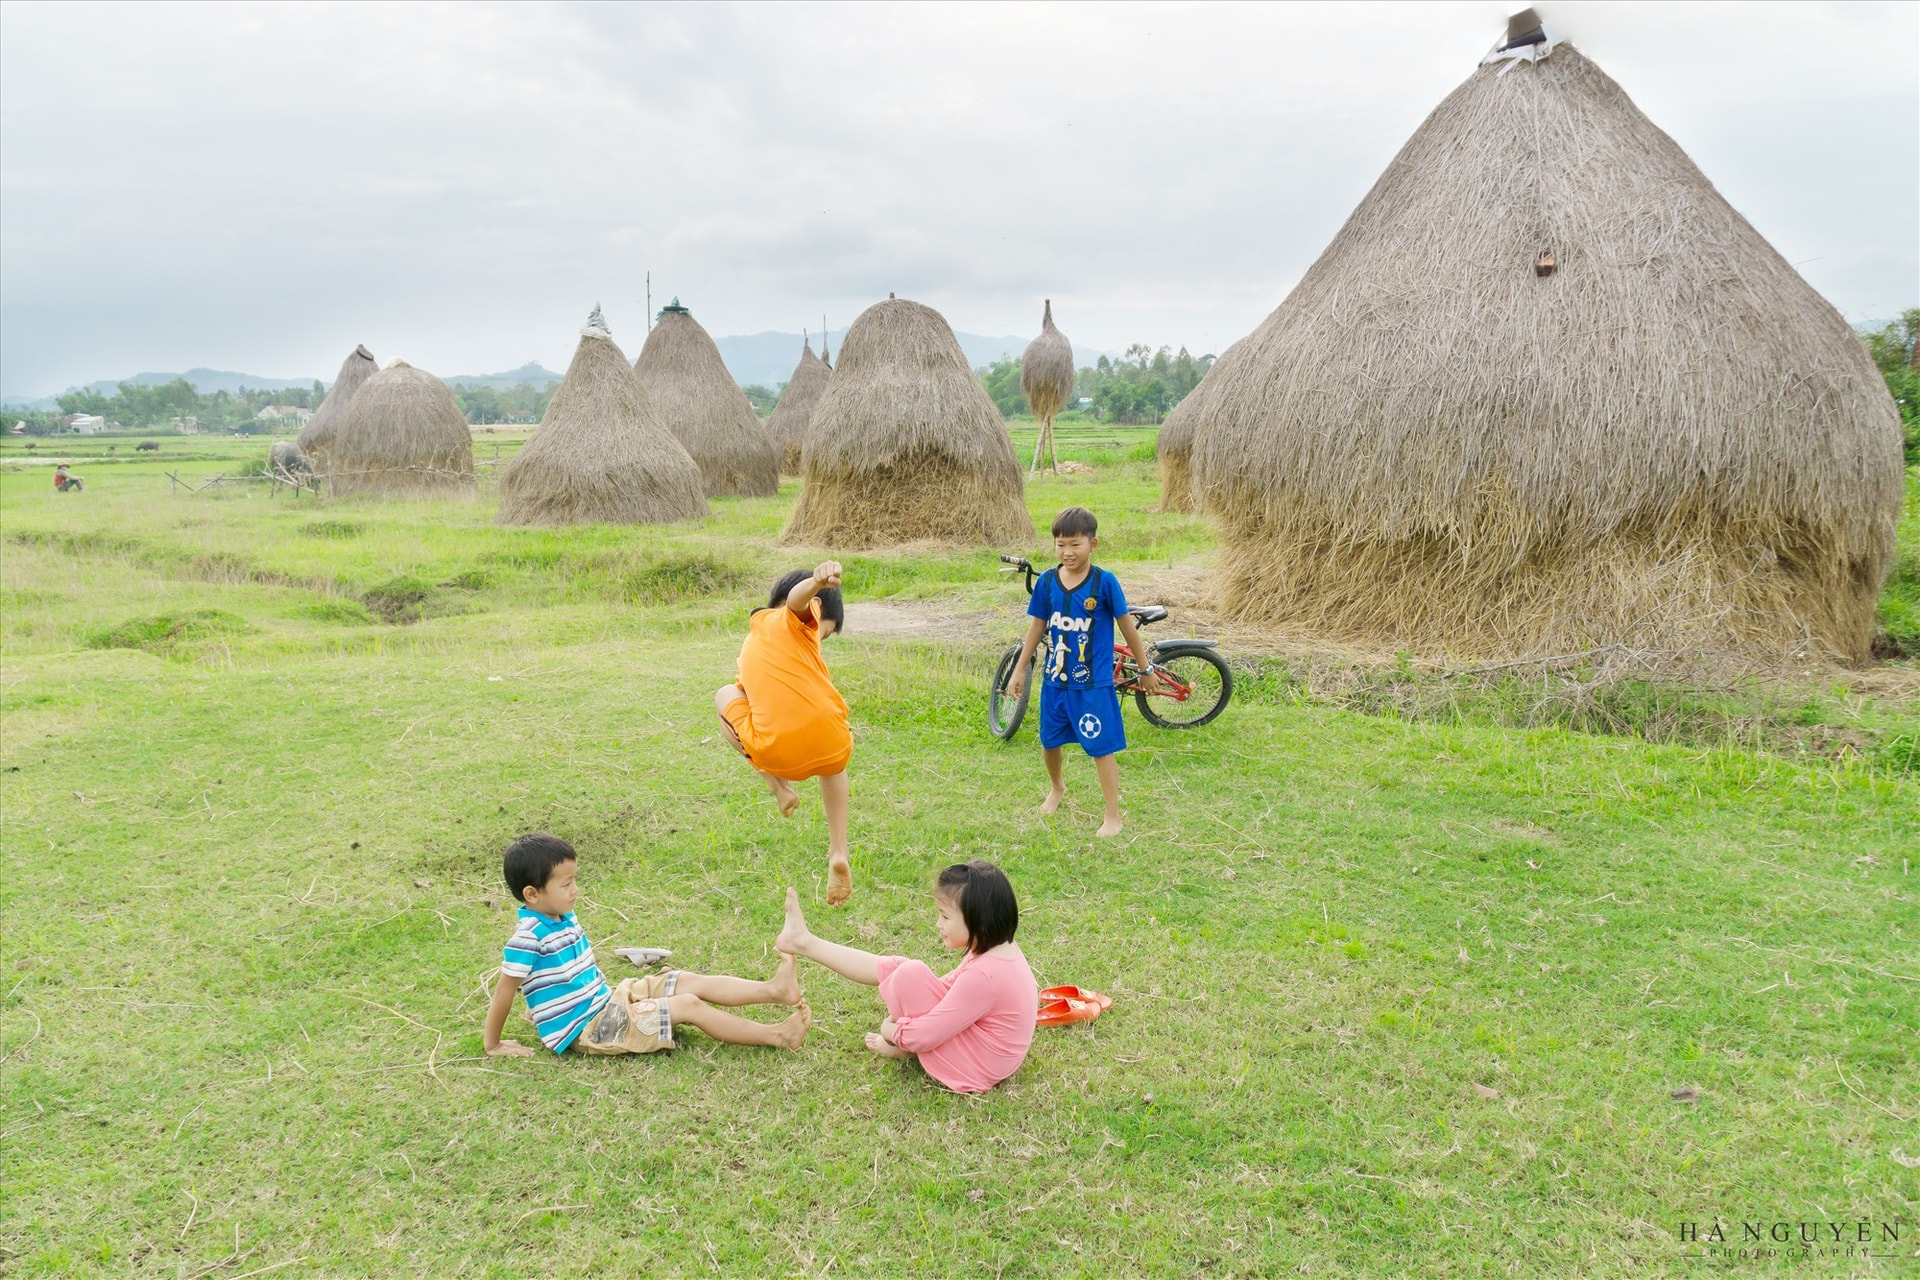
(550, 962)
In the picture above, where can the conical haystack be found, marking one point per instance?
(403, 435)
(788, 425)
(316, 437)
(697, 398)
(1546, 391)
(1174, 445)
(1046, 379)
(601, 453)
(905, 446)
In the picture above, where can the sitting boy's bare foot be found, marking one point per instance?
(839, 880)
(878, 1043)
(1052, 802)
(1111, 827)
(784, 986)
(792, 1033)
(794, 935)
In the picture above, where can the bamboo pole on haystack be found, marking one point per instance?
(1046, 376)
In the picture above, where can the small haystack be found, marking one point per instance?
(904, 444)
(1174, 445)
(788, 425)
(1046, 379)
(1545, 392)
(601, 455)
(703, 406)
(403, 435)
(316, 437)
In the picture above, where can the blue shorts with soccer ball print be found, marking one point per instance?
(1090, 717)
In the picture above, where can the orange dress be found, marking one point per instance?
(793, 722)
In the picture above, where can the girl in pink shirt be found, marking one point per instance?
(970, 1029)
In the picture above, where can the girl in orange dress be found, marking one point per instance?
(783, 713)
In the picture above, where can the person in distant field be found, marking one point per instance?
(550, 962)
(64, 481)
(970, 1029)
(1075, 608)
(783, 713)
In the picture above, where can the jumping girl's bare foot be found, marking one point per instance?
(793, 1032)
(1052, 802)
(794, 935)
(839, 880)
(784, 985)
(878, 1044)
(1111, 827)
(783, 795)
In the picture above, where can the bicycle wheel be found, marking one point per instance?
(1195, 686)
(1004, 714)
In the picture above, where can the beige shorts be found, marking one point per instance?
(634, 1020)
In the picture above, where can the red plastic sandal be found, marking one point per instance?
(1064, 1013)
(1071, 992)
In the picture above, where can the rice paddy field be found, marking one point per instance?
(1401, 987)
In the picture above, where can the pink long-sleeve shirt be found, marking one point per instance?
(980, 1024)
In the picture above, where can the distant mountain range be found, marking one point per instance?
(766, 358)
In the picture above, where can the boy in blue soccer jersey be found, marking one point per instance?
(550, 962)
(1075, 608)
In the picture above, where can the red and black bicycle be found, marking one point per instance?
(1195, 682)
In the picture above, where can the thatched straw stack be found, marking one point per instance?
(905, 446)
(403, 435)
(788, 424)
(682, 373)
(1174, 445)
(1545, 392)
(601, 453)
(316, 437)
(1046, 379)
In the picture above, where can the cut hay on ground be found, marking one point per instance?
(601, 455)
(1442, 442)
(1046, 379)
(698, 400)
(403, 436)
(905, 446)
(787, 427)
(316, 437)
(1174, 445)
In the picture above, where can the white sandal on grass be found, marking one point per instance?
(642, 956)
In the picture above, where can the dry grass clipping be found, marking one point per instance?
(905, 446)
(601, 453)
(403, 435)
(1430, 444)
(787, 426)
(703, 406)
(316, 437)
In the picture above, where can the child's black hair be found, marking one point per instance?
(986, 901)
(1075, 522)
(531, 860)
(832, 607)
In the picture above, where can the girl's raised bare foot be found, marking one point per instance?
(784, 985)
(785, 796)
(1111, 827)
(794, 935)
(793, 1032)
(878, 1043)
(1052, 802)
(839, 880)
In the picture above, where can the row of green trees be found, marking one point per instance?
(143, 407)
(1141, 386)
(521, 402)
(1892, 348)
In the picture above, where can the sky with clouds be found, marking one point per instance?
(260, 187)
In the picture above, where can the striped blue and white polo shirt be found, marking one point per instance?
(554, 962)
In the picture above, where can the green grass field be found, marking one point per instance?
(1393, 995)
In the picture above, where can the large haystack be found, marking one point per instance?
(788, 425)
(601, 453)
(316, 437)
(1174, 445)
(1547, 391)
(905, 446)
(703, 406)
(403, 435)
(1046, 379)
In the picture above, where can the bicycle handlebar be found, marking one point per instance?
(1016, 561)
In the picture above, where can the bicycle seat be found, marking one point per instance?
(1145, 613)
